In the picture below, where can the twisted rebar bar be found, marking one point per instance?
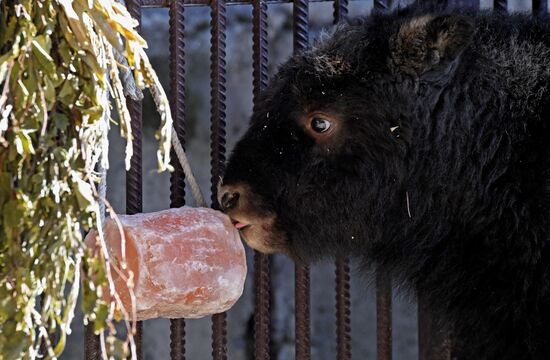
(262, 262)
(340, 10)
(134, 183)
(383, 317)
(343, 323)
(301, 277)
(217, 131)
(177, 178)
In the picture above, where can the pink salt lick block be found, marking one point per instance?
(187, 262)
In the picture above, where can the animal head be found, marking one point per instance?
(319, 168)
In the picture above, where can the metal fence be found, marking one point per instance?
(434, 343)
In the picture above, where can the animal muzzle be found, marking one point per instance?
(229, 199)
(256, 226)
(233, 200)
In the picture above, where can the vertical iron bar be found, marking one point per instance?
(464, 3)
(383, 317)
(301, 298)
(540, 7)
(383, 283)
(433, 342)
(382, 5)
(91, 344)
(343, 323)
(301, 277)
(177, 178)
(300, 25)
(262, 262)
(262, 316)
(217, 129)
(340, 10)
(134, 183)
(500, 5)
(259, 39)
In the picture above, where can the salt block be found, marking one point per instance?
(187, 262)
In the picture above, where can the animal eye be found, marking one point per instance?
(320, 125)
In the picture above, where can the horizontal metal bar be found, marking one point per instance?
(166, 3)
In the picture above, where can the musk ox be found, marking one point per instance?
(419, 142)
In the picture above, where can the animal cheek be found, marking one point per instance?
(265, 238)
(256, 223)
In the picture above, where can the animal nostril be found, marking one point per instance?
(229, 200)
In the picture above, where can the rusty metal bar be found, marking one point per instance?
(259, 39)
(463, 3)
(382, 5)
(302, 322)
(383, 283)
(177, 95)
(500, 5)
(434, 342)
(340, 10)
(134, 176)
(177, 178)
(155, 3)
(218, 97)
(262, 262)
(91, 343)
(133, 198)
(262, 315)
(177, 339)
(134, 184)
(217, 153)
(300, 25)
(383, 317)
(166, 3)
(540, 7)
(343, 323)
(301, 272)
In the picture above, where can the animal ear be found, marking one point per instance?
(429, 43)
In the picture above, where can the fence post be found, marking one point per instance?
(434, 342)
(301, 285)
(500, 5)
(177, 178)
(384, 5)
(217, 134)
(343, 323)
(262, 262)
(540, 7)
(383, 316)
(134, 181)
(464, 3)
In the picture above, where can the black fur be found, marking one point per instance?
(455, 201)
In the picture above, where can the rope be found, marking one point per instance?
(184, 162)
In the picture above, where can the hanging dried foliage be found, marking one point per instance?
(58, 72)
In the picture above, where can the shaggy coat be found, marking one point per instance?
(435, 167)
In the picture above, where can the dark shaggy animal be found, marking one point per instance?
(418, 141)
